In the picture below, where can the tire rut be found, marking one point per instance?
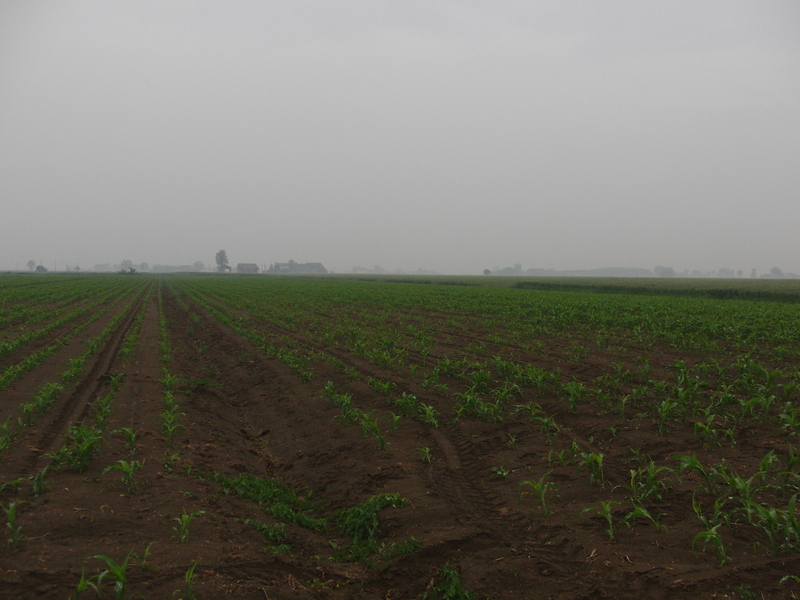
(78, 403)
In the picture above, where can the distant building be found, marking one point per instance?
(247, 268)
(294, 267)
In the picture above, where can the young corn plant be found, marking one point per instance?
(381, 386)
(394, 422)
(117, 573)
(648, 483)
(549, 428)
(427, 414)
(768, 519)
(116, 381)
(370, 426)
(593, 461)
(450, 588)
(131, 437)
(169, 423)
(13, 527)
(605, 511)
(169, 382)
(187, 591)
(641, 511)
(83, 585)
(576, 392)
(182, 528)
(715, 537)
(691, 463)
(541, 488)
(719, 516)
(425, 455)
(128, 470)
(83, 445)
(275, 533)
(663, 413)
(38, 483)
(707, 433)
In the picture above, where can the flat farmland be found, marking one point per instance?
(444, 438)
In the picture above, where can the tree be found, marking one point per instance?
(31, 265)
(487, 272)
(222, 261)
(664, 271)
(199, 266)
(41, 269)
(776, 272)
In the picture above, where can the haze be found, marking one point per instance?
(442, 135)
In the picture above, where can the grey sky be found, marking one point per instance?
(452, 136)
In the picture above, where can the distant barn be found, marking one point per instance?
(247, 268)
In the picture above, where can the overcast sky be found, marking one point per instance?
(448, 135)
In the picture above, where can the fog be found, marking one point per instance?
(440, 135)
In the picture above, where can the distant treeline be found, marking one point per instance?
(763, 290)
(772, 290)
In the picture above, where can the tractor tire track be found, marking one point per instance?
(50, 435)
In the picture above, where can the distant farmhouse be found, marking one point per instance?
(294, 267)
(247, 268)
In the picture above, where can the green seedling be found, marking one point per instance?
(500, 471)
(691, 463)
(706, 432)
(169, 424)
(427, 414)
(576, 392)
(116, 381)
(361, 521)
(641, 511)
(768, 519)
(169, 461)
(381, 386)
(83, 585)
(116, 572)
(370, 426)
(648, 483)
(182, 529)
(450, 588)
(275, 533)
(85, 444)
(128, 470)
(605, 512)
(142, 561)
(541, 488)
(594, 463)
(511, 442)
(169, 382)
(188, 583)
(38, 483)
(131, 437)
(533, 409)
(11, 523)
(102, 409)
(425, 455)
(663, 413)
(720, 516)
(394, 422)
(47, 395)
(713, 535)
(328, 390)
(549, 427)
